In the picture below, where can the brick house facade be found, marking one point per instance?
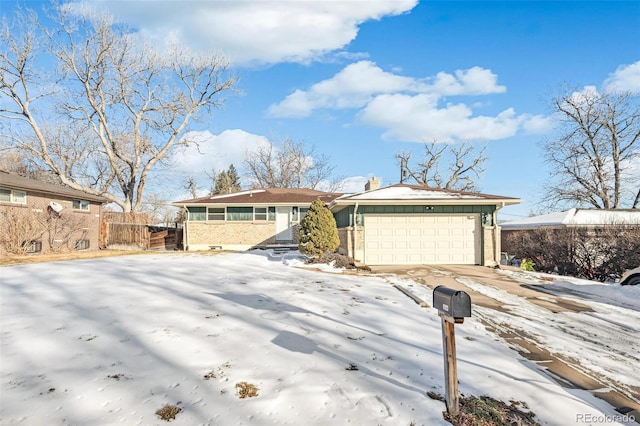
(41, 217)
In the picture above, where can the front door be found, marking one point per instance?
(283, 224)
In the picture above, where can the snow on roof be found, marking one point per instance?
(406, 193)
(290, 196)
(577, 217)
(416, 192)
(236, 194)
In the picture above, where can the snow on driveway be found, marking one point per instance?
(111, 341)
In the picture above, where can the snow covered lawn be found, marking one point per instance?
(113, 340)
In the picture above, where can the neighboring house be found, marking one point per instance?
(582, 219)
(246, 219)
(41, 217)
(395, 225)
(416, 224)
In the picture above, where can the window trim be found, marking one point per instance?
(81, 203)
(264, 214)
(259, 214)
(14, 197)
(222, 215)
(34, 246)
(83, 244)
(298, 213)
(240, 210)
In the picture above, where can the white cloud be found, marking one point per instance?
(537, 124)
(216, 152)
(418, 118)
(357, 84)
(474, 81)
(350, 88)
(625, 78)
(256, 31)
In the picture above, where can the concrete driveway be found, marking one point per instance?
(568, 371)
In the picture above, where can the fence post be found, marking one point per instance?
(453, 307)
(450, 366)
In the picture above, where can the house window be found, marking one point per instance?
(265, 213)
(298, 213)
(11, 196)
(197, 213)
(240, 213)
(260, 213)
(81, 205)
(34, 247)
(215, 213)
(82, 244)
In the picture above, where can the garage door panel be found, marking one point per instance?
(422, 239)
(428, 232)
(414, 233)
(414, 245)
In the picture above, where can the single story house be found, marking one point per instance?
(396, 225)
(568, 219)
(246, 219)
(416, 224)
(37, 216)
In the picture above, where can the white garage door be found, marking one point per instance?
(422, 239)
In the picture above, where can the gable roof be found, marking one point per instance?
(13, 181)
(264, 196)
(412, 194)
(576, 217)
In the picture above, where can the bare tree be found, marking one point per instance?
(190, 185)
(592, 159)
(445, 166)
(159, 209)
(596, 252)
(15, 162)
(114, 109)
(24, 227)
(21, 227)
(289, 165)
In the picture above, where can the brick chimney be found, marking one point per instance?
(372, 184)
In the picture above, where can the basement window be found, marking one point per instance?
(82, 245)
(34, 247)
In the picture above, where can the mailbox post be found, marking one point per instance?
(453, 307)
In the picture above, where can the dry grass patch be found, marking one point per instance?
(246, 390)
(486, 411)
(8, 260)
(168, 412)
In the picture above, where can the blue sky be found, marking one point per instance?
(363, 80)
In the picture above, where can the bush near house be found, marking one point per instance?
(600, 253)
(22, 228)
(318, 231)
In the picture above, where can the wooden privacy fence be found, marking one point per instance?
(126, 236)
(131, 231)
(167, 239)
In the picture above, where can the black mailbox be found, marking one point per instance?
(454, 303)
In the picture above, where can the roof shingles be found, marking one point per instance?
(13, 181)
(290, 196)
